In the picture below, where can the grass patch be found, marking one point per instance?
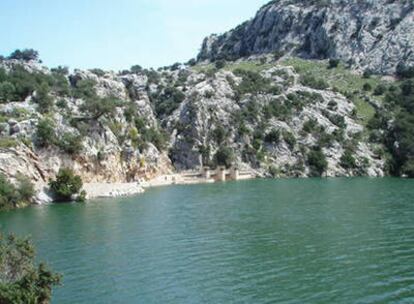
(7, 142)
(365, 111)
(343, 80)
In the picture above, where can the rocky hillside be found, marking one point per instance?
(371, 35)
(261, 115)
(295, 115)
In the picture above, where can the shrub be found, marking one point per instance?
(21, 279)
(404, 71)
(310, 125)
(313, 82)
(219, 64)
(167, 101)
(367, 87)
(98, 107)
(70, 143)
(219, 134)
(61, 70)
(290, 139)
(43, 99)
(333, 63)
(192, 62)
(347, 160)
(7, 90)
(26, 55)
(25, 189)
(224, 157)
(98, 72)
(45, 133)
(66, 185)
(273, 137)
(317, 162)
(277, 55)
(11, 196)
(252, 82)
(367, 74)
(380, 90)
(84, 89)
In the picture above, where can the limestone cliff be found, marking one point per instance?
(374, 35)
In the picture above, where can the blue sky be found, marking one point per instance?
(115, 34)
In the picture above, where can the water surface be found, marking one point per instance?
(262, 241)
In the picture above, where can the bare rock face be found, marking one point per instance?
(374, 35)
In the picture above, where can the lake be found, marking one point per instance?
(261, 241)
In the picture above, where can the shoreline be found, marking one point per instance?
(97, 190)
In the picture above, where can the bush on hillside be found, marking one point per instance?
(317, 162)
(313, 82)
(224, 157)
(66, 186)
(43, 99)
(70, 143)
(273, 137)
(21, 279)
(347, 160)
(45, 133)
(12, 195)
(26, 55)
(404, 71)
(333, 63)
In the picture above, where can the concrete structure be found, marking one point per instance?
(221, 174)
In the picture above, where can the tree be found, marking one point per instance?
(66, 185)
(71, 143)
(347, 160)
(21, 280)
(333, 63)
(43, 99)
(136, 69)
(98, 107)
(224, 157)
(25, 188)
(26, 55)
(45, 133)
(317, 162)
(7, 90)
(219, 64)
(12, 195)
(219, 134)
(272, 137)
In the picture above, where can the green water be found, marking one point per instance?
(285, 241)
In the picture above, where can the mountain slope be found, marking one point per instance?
(370, 35)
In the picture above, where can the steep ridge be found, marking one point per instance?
(373, 35)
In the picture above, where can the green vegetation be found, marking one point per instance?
(7, 142)
(26, 55)
(98, 107)
(311, 81)
(342, 80)
(348, 160)
(219, 134)
(167, 101)
(12, 196)
(317, 162)
(224, 157)
(273, 137)
(43, 99)
(253, 83)
(70, 143)
(66, 186)
(45, 133)
(290, 139)
(21, 279)
(400, 138)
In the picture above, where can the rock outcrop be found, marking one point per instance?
(373, 35)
